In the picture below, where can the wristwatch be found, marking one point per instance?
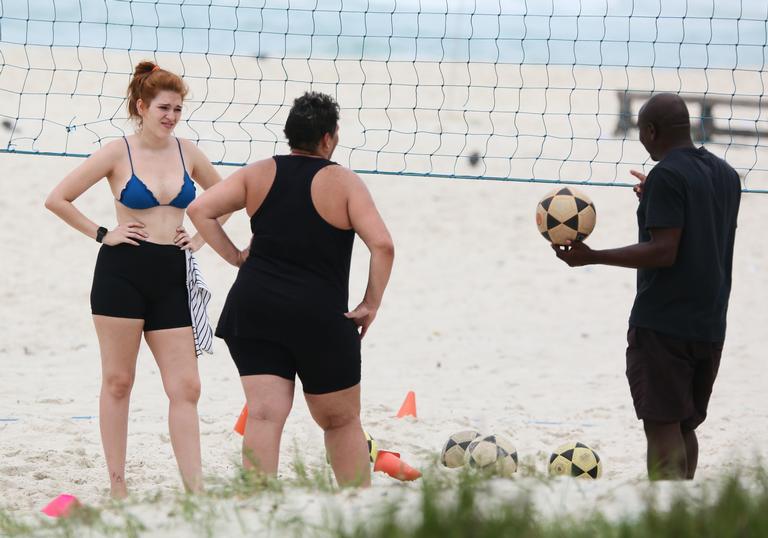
(100, 233)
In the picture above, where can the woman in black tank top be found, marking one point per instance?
(287, 312)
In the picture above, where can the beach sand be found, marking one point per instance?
(480, 319)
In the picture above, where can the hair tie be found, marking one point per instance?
(156, 67)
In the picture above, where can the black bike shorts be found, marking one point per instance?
(142, 282)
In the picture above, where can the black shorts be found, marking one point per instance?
(320, 371)
(670, 378)
(142, 282)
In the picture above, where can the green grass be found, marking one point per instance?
(119, 523)
(445, 506)
(10, 526)
(735, 510)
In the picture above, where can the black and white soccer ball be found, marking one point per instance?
(453, 452)
(565, 214)
(492, 453)
(575, 459)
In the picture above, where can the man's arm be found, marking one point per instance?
(660, 251)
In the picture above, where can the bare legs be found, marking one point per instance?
(672, 453)
(691, 453)
(174, 351)
(338, 413)
(119, 340)
(269, 399)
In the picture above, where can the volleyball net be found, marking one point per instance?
(517, 90)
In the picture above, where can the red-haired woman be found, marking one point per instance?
(140, 283)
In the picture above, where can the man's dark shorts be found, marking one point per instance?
(670, 378)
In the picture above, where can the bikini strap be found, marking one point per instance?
(129, 153)
(182, 156)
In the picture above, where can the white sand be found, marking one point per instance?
(480, 319)
(548, 122)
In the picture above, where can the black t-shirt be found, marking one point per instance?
(700, 193)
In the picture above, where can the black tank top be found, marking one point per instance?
(298, 266)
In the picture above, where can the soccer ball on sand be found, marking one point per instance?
(453, 452)
(575, 459)
(494, 453)
(373, 449)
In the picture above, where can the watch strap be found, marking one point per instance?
(100, 233)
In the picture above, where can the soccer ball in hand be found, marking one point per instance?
(565, 214)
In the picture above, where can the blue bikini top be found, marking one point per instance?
(137, 195)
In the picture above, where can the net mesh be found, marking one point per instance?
(526, 90)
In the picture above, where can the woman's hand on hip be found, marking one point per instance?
(182, 240)
(242, 256)
(129, 233)
(363, 316)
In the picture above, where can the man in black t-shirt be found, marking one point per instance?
(687, 215)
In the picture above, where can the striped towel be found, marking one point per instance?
(199, 295)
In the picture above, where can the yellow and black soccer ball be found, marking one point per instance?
(492, 453)
(565, 214)
(452, 454)
(373, 449)
(575, 459)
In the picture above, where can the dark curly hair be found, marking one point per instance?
(312, 116)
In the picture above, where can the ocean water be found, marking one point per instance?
(729, 34)
(494, 101)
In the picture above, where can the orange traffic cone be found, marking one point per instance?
(391, 464)
(408, 409)
(240, 424)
